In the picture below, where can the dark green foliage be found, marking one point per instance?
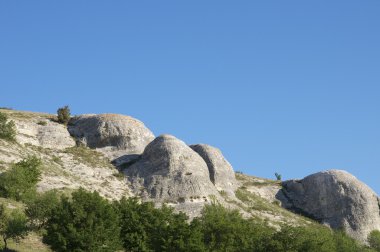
(64, 115)
(40, 208)
(7, 129)
(12, 226)
(374, 240)
(20, 181)
(344, 243)
(145, 228)
(278, 176)
(313, 239)
(86, 223)
(304, 239)
(227, 230)
(90, 223)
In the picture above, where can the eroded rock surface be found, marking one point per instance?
(169, 170)
(114, 135)
(221, 171)
(43, 132)
(335, 198)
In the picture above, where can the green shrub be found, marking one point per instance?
(42, 123)
(374, 240)
(12, 225)
(64, 115)
(40, 208)
(226, 230)
(278, 176)
(145, 228)
(7, 129)
(86, 223)
(20, 181)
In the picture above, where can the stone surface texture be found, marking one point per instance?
(221, 172)
(114, 135)
(335, 198)
(169, 170)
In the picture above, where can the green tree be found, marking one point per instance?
(344, 243)
(146, 228)
(305, 239)
(7, 129)
(64, 115)
(374, 240)
(278, 176)
(87, 222)
(40, 208)
(21, 180)
(227, 230)
(12, 226)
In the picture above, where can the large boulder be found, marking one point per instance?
(170, 171)
(221, 172)
(335, 198)
(114, 135)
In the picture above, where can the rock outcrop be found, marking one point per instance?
(170, 171)
(43, 132)
(221, 173)
(335, 198)
(114, 135)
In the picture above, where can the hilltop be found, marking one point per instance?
(118, 156)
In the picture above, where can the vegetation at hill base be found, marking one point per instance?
(85, 221)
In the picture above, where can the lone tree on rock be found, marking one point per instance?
(64, 115)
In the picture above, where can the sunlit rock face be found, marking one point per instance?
(115, 135)
(221, 172)
(335, 198)
(169, 170)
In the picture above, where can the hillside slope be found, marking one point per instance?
(118, 156)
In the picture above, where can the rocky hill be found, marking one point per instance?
(118, 156)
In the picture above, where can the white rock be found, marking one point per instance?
(335, 198)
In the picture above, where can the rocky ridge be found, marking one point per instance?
(167, 170)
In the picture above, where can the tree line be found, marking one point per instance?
(84, 221)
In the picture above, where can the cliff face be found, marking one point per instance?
(119, 156)
(335, 198)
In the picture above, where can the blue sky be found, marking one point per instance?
(279, 86)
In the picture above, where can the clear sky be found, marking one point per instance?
(279, 86)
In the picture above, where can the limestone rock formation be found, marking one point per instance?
(335, 198)
(221, 171)
(43, 132)
(169, 170)
(114, 135)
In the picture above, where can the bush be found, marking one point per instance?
(145, 228)
(64, 115)
(374, 240)
(20, 181)
(226, 230)
(12, 226)
(86, 223)
(7, 129)
(40, 208)
(278, 176)
(42, 123)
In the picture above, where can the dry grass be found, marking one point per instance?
(88, 156)
(31, 243)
